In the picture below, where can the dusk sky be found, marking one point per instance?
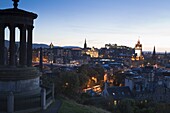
(69, 22)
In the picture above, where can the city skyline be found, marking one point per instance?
(70, 22)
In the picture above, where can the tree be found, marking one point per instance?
(100, 70)
(162, 108)
(119, 78)
(83, 79)
(96, 71)
(83, 69)
(70, 82)
(127, 106)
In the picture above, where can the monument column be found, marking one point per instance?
(12, 46)
(17, 81)
(23, 50)
(29, 46)
(2, 44)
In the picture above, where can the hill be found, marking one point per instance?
(69, 106)
(36, 45)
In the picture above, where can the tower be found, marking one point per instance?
(19, 83)
(137, 58)
(138, 49)
(85, 44)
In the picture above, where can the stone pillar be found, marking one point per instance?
(6, 56)
(29, 46)
(2, 45)
(53, 91)
(23, 51)
(41, 60)
(10, 103)
(43, 98)
(12, 48)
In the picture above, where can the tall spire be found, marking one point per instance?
(85, 44)
(154, 55)
(15, 4)
(154, 52)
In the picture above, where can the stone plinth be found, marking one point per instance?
(23, 83)
(15, 73)
(19, 85)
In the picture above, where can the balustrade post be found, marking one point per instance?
(2, 44)
(10, 103)
(43, 98)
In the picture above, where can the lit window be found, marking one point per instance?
(115, 102)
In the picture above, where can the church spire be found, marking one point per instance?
(154, 55)
(85, 44)
(154, 52)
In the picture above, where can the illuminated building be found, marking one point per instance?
(138, 52)
(137, 58)
(92, 52)
(138, 49)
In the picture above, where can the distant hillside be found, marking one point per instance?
(40, 45)
(36, 45)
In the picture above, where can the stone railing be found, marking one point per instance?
(24, 104)
(47, 96)
(13, 103)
